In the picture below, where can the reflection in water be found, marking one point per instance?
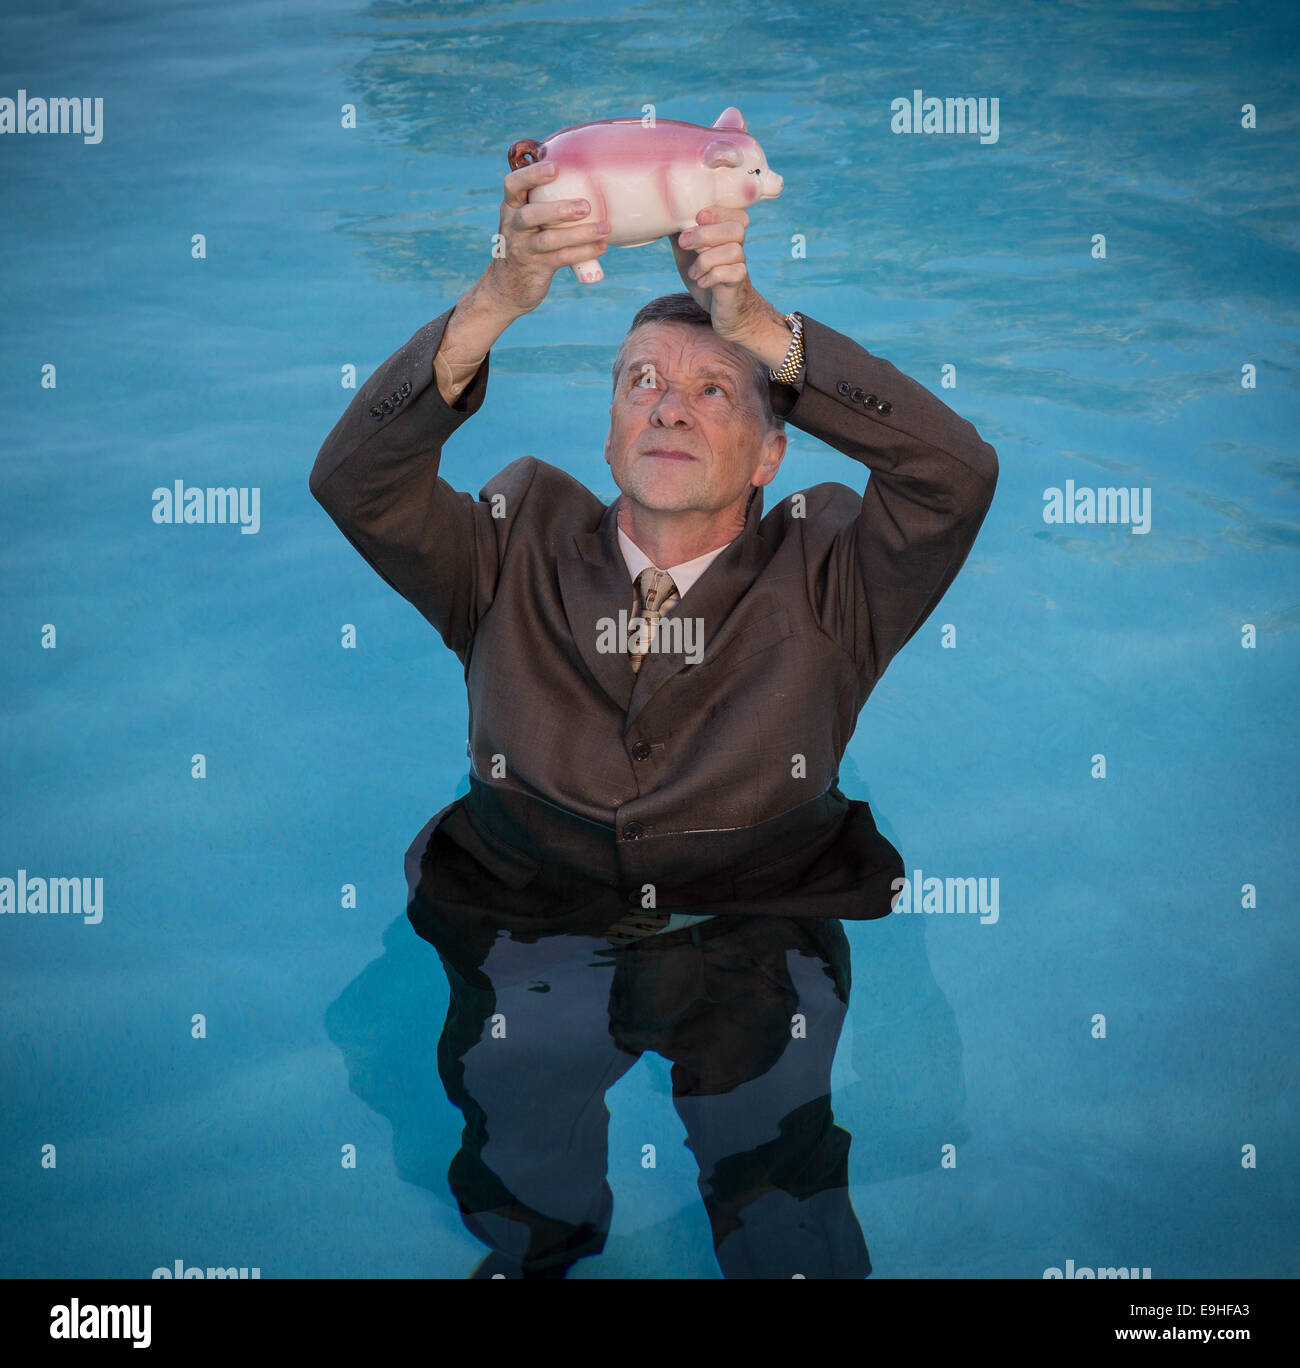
(536, 1033)
(748, 1010)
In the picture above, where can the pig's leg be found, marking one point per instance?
(589, 272)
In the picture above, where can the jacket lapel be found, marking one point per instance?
(595, 584)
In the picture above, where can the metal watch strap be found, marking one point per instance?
(793, 362)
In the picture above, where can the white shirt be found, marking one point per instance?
(684, 575)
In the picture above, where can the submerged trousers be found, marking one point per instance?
(748, 1010)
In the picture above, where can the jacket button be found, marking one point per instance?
(632, 831)
(641, 751)
(856, 395)
(843, 387)
(884, 406)
(869, 400)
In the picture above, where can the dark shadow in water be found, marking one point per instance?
(538, 1028)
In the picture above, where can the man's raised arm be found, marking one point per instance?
(932, 482)
(883, 566)
(377, 473)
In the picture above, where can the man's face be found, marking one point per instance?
(686, 431)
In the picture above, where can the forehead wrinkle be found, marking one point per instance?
(715, 367)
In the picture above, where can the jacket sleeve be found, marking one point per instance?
(377, 476)
(877, 576)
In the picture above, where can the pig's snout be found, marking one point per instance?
(772, 184)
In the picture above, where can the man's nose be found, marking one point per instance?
(670, 410)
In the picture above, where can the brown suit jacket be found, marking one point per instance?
(714, 781)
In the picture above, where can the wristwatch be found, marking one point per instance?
(793, 362)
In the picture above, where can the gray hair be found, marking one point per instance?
(685, 308)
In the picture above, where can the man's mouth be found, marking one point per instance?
(671, 455)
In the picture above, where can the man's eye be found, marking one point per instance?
(719, 389)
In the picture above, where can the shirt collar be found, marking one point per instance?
(684, 575)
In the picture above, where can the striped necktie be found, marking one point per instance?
(655, 593)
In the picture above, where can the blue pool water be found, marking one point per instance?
(328, 246)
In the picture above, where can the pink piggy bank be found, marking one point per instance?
(650, 179)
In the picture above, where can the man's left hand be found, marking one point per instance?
(711, 262)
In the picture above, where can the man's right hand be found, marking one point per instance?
(539, 239)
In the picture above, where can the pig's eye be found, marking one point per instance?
(757, 171)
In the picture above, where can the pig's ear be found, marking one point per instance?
(730, 117)
(720, 152)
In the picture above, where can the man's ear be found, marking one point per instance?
(608, 435)
(770, 461)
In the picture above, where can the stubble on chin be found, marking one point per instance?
(668, 492)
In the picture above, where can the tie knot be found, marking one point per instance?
(654, 588)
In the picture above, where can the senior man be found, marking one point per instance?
(654, 852)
